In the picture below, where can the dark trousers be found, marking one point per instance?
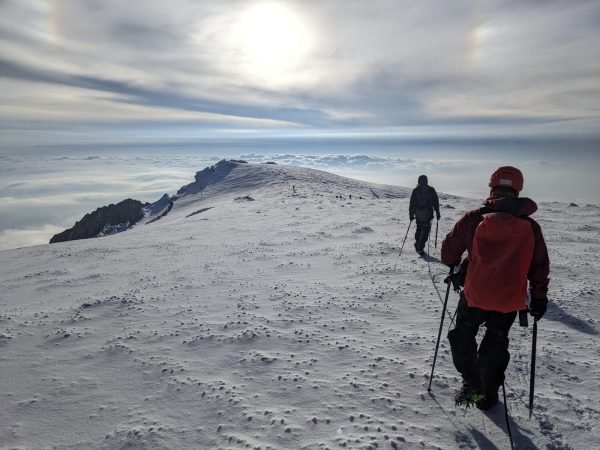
(422, 234)
(484, 367)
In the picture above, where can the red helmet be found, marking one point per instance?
(507, 176)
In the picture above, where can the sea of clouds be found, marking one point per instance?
(42, 193)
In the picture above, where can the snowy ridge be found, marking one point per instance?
(229, 176)
(285, 322)
(237, 180)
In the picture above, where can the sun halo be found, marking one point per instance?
(273, 40)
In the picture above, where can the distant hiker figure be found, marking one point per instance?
(505, 248)
(423, 202)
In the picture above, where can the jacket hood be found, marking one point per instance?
(521, 207)
(423, 180)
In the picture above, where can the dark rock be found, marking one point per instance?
(113, 217)
(246, 198)
(208, 176)
(159, 205)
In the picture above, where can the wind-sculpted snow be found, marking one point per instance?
(285, 322)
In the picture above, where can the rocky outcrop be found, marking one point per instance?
(105, 220)
(209, 175)
(161, 208)
(113, 218)
(160, 205)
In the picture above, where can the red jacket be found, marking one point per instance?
(461, 239)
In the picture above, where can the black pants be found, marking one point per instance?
(422, 234)
(484, 368)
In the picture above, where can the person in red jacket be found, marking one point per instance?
(506, 250)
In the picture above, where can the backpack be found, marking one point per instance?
(422, 198)
(499, 262)
(423, 204)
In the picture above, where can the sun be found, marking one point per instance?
(273, 40)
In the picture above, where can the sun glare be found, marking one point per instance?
(273, 39)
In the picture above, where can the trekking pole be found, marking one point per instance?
(510, 436)
(437, 222)
(409, 224)
(441, 326)
(532, 376)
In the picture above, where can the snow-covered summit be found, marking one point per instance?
(228, 177)
(271, 310)
(236, 175)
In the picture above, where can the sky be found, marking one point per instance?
(107, 70)
(379, 90)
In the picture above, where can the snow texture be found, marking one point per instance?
(285, 322)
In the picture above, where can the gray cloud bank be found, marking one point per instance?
(519, 68)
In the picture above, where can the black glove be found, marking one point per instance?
(456, 279)
(438, 215)
(411, 217)
(537, 307)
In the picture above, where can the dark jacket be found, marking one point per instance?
(423, 201)
(461, 236)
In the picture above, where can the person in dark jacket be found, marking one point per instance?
(423, 202)
(495, 275)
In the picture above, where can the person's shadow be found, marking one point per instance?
(555, 312)
(559, 314)
(431, 259)
(496, 415)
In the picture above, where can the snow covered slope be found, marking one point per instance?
(271, 310)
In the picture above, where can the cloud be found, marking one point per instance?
(129, 94)
(545, 163)
(15, 238)
(350, 162)
(54, 190)
(515, 65)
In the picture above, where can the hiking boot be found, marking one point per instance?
(487, 401)
(468, 395)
